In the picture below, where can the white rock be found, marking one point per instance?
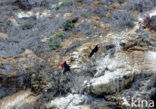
(69, 102)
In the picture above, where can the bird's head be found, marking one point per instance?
(98, 46)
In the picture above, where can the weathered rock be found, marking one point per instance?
(18, 99)
(140, 40)
(115, 73)
(107, 105)
(69, 102)
(143, 88)
(111, 75)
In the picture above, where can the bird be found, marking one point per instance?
(65, 66)
(94, 50)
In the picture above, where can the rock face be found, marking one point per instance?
(111, 75)
(69, 102)
(18, 99)
(117, 71)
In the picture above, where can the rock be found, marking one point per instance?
(109, 84)
(119, 74)
(110, 46)
(37, 2)
(137, 38)
(115, 73)
(107, 105)
(3, 35)
(18, 99)
(69, 102)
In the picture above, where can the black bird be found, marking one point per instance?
(65, 66)
(94, 50)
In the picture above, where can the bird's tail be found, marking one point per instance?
(91, 54)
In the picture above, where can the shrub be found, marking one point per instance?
(57, 45)
(70, 25)
(63, 4)
(54, 46)
(58, 7)
(36, 81)
(121, 1)
(60, 35)
(80, 1)
(66, 3)
(122, 20)
(51, 39)
(26, 26)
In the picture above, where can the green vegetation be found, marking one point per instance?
(66, 3)
(54, 46)
(26, 26)
(63, 4)
(84, 15)
(58, 7)
(60, 35)
(80, 1)
(36, 80)
(51, 39)
(70, 25)
(121, 1)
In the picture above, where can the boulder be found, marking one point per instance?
(69, 102)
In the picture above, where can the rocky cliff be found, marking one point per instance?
(36, 36)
